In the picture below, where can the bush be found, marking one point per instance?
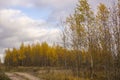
(3, 76)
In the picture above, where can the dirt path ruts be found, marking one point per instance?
(28, 76)
(13, 76)
(21, 76)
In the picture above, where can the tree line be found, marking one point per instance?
(98, 33)
(91, 44)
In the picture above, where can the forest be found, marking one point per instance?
(90, 45)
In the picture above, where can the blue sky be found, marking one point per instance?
(29, 21)
(35, 13)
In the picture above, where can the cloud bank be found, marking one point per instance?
(16, 27)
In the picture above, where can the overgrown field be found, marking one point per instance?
(3, 76)
(56, 73)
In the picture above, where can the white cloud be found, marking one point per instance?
(58, 7)
(16, 27)
(9, 3)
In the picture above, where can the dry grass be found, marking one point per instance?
(57, 75)
(3, 76)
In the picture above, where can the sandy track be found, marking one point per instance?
(28, 76)
(13, 76)
(21, 76)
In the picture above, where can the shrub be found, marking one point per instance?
(3, 76)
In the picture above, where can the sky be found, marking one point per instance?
(31, 21)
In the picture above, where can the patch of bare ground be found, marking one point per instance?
(21, 76)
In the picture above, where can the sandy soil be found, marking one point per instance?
(21, 76)
(13, 76)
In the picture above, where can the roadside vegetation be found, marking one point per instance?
(3, 76)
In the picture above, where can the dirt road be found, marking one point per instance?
(21, 76)
(13, 76)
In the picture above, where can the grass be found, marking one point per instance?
(57, 75)
(3, 76)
